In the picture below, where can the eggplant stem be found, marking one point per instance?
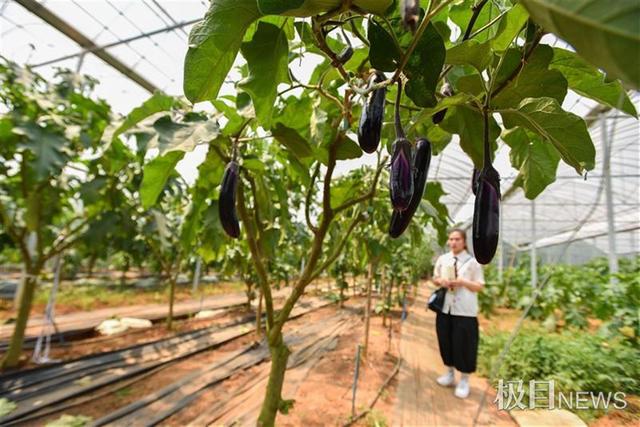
(398, 123)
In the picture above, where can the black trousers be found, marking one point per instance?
(458, 341)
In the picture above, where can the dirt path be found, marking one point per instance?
(420, 400)
(87, 320)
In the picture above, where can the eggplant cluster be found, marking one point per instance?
(408, 175)
(400, 219)
(486, 213)
(227, 200)
(370, 126)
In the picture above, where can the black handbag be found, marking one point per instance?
(436, 300)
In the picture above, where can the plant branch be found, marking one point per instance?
(256, 256)
(308, 197)
(474, 17)
(517, 70)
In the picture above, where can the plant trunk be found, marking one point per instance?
(12, 356)
(367, 313)
(273, 401)
(92, 264)
(343, 282)
(172, 294)
(259, 316)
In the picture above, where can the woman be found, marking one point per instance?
(457, 324)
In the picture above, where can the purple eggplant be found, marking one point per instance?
(400, 220)
(486, 215)
(227, 201)
(474, 181)
(401, 177)
(371, 118)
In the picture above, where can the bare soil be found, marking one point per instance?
(324, 398)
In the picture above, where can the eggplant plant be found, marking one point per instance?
(48, 128)
(496, 66)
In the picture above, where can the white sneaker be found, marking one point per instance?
(446, 380)
(462, 389)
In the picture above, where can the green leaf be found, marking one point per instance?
(432, 194)
(277, 7)
(348, 149)
(234, 120)
(47, 149)
(158, 102)
(292, 140)
(213, 46)
(567, 132)
(424, 67)
(536, 160)
(535, 80)
(469, 124)
(384, 54)
(510, 25)
(470, 52)
(155, 175)
(588, 81)
(460, 13)
(266, 56)
(607, 34)
(173, 136)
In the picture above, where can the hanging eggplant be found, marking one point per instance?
(410, 14)
(486, 213)
(474, 181)
(446, 91)
(401, 176)
(400, 220)
(227, 201)
(371, 118)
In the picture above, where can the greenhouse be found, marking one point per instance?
(319, 212)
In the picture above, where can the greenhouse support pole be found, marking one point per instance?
(196, 276)
(500, 248)
(606, 172)
(534, 260)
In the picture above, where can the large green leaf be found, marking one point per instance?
(47, 149)
(213, 46)
(292, 140)
(606, 33)
(266, 56)
(567, 132)
(509, 27)
(424, 67)
(158, 102)
(535, 80)
(588, 81)
(536, 160)
(383, 51)
(155, 175)
(180, 136)
(469, 125)
(470, 52)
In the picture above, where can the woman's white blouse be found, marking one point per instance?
(460, 301)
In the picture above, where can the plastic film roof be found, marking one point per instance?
(570, 209)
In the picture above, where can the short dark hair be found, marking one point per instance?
(462, 233)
